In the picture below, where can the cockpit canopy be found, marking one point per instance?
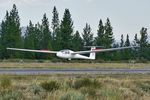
(65, 51)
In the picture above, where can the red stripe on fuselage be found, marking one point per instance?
(44, 50)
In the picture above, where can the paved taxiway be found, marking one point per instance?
(73, 71)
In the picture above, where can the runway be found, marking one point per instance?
(73, 71)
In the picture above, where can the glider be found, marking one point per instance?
(69, 54)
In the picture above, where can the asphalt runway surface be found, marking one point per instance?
(73, 71)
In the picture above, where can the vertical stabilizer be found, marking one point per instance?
(92, 55)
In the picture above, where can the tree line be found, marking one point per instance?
(60, 34)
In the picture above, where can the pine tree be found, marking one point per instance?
(136, 50)
(136, 40)
(0, 43)
(38, 39)
(77, 42)
(127, 43)
(3, 36)
(144, 43)
(122, 41)
(87, 35)
(117, 55)
(107, 40)
(38, 35)
(100, 34)
(55, 23)
(55, 30)
(108, 35)
(143, 40)
(99, 40)
(127, 55)
(46, 35)
(46, 42)
(29, 42)
(121, 52)
(58, 41)
(11, 33)
(66, 30)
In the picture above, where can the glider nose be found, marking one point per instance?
(58, 54)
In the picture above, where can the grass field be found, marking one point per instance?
(75, 87)
(72, 65)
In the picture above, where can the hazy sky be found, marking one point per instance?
(126, 16)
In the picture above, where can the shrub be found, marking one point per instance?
(11, 95)
(111, 94)
(50, 86)
(72, 96)
(96, 84)
(68, 84)
(35, 89)
(88, 91)
(36, 92)
(145, 87)
(86, 82)
(5, 83)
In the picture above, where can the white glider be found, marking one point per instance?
(69, 54)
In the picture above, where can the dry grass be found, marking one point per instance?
(72, 65)
(110, 87)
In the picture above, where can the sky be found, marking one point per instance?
(126, 16)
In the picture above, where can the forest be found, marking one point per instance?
(60, 34)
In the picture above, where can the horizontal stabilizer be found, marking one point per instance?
(93, 46)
